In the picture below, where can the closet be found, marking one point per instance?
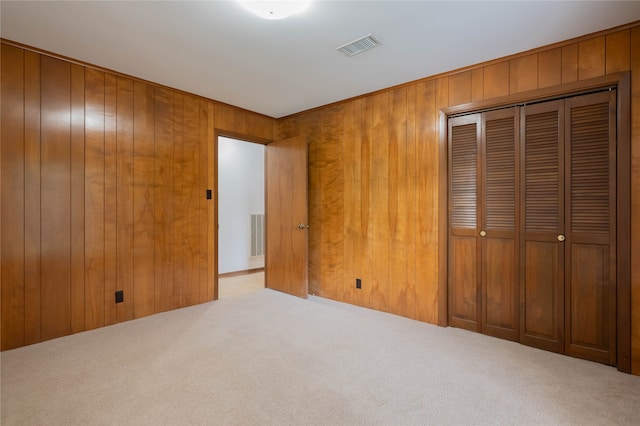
(532, 224)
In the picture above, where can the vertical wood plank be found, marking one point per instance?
(332, 244)
(230, 118)
(426, 136)
(496, 80)
(380, 201)
(550, 68)
(111, 187)
(203, 140)
(56, 198)
(77, 198)
(124, 198)
(32, 197)
(591, 57)
(164, 185)
(618, 52)
(570, 63)
(310, 125)
(12, 184)
(94, 199)
(179, 201)
(410, 212)
(523, 73)
(401, 296)
(460, 88)
(366, 200)
(350, 206)
(477, 84)
(635, 199)
(143, 200)
(212, 214)
(191, 237)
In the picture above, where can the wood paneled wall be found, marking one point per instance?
(103, 188)
(373, 177)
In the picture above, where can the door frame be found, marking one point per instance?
(213, 236)
(622, 82)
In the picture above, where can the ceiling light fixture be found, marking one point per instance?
(275, 9)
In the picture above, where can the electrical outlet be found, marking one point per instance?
(358, 283)
(119, 296)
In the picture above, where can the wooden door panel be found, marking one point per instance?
(543, 296)
(499, 289)
(286, 208)
(542, 213)
(592, 301)
(500, 313)
(591, 241)
(464, 283)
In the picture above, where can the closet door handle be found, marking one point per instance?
(561, 237)
(483, 233)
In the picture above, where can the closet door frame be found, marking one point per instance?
(622, 83)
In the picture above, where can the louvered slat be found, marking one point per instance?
(500, 178)
(541, 172)
(590, 168)
(464, 155)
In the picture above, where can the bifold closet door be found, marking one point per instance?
(483, 283)
(542, 249)
(499, 224)
(590, 246)
(464, 250)
(568, 239)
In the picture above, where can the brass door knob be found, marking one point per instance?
(561, 237)
(483, 234)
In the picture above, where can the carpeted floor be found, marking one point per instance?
(267, 358)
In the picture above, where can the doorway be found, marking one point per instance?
(241, 213)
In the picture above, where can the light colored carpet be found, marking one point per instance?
(267, 358)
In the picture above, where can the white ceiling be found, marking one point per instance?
(218, 50)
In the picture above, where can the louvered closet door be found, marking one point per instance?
(542, 251)
(464, 250)
(590, 280)
(499, 248)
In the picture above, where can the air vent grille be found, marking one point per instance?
(358, 46)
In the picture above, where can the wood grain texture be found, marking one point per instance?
(496, 80)
(82, 150)
(13, 243)
(618, 52)
(94, 200)
(32, 164)
(124, 200)
(460, 88)
(163, 197)
(56, 199)
(212, 211)
(550, 68)
(351, 200)
(570, 63)
(143, 201)
(426, 200)
(477, 84)
(380, 201)
(591, 57)
(201, 212)
(77, 198)
(635, 200)
(111, 188)
(523, 73)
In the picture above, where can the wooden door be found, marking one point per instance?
(464, 250)
(286, 211)
(499, 248)
(590, 247)
(542, 207)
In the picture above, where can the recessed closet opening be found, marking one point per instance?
(538, 222)
(241, 216)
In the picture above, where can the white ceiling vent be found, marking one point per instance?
(358, 46)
